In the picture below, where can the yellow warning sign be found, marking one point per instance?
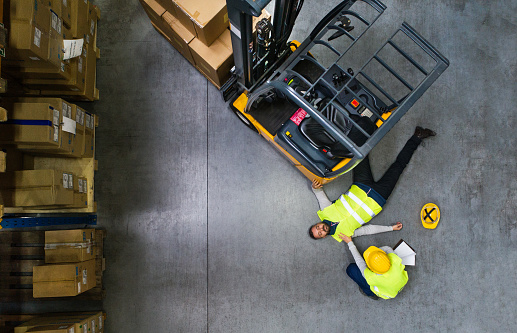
(430, 215)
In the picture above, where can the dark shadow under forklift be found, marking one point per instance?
(306, 98)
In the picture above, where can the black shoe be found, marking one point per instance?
(374, 297)
(423, 133)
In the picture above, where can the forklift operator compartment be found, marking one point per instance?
(327, 105)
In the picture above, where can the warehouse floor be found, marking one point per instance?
(207, 223)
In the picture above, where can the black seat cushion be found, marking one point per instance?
(319, 137)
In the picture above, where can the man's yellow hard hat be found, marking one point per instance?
(377, 260)
(430, 216)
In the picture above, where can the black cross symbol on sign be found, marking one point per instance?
(428, 214)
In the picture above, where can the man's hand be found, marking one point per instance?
(397, 226)
(316, 184)
(345, 237)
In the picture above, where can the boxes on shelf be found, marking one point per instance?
(77, 322)
(60, 280)
(69, 245)
(216, 60)
(79, 14)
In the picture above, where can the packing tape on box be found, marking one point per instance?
(71, 245)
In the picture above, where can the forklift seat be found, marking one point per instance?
(322, 140)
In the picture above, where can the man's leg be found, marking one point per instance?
(387, 183)
(355, 274)
(362, 173)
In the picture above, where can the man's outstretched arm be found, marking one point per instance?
(323, 200)
(371, 229)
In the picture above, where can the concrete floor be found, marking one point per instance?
(207, 223)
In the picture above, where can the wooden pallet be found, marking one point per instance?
(21, 250)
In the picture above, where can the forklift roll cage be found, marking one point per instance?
(255, 80)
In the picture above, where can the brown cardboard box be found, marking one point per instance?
(154, 10)
(59, 328)
(36, 178)
(168, 5)
(38, 196)
(93, 17)
(179, 36)
(216, 60)
(35, 124)
(69, 245)
(89, 135)
(209, 18)
(57, 280)
(28, 34)
(91, 322)
(79, 14)
(63, 9)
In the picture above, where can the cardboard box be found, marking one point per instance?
(59, 328)
(179, 36)
(59, 280)
(79, 14)
(69, 245)
(37, 196)
(89, 135)
(63, 9)
(35, 124)
(154, 10)
(208, 18)
(28, 34)
(91, 322)
(36, 178)
(93, 17)
(216, 60)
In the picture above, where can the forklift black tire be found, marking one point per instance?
(245, 120)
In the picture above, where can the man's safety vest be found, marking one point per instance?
(389, 284)
(352, 210)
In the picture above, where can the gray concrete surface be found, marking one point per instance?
(207, 223)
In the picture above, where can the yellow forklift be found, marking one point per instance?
(322, 103)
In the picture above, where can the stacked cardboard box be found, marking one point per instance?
(35, 54)
(75, 322)
(198, 29)
(70, 264)
(48, 125)
(43, 189)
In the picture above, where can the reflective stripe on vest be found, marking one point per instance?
(360, 203)
(350, 210)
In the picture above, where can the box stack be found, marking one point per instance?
(75, 322)
(39, 31)
(198, 29)
(70, 267)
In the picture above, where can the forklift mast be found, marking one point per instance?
(254, 59)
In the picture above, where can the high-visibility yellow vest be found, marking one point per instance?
(351, 211)
(389, 284)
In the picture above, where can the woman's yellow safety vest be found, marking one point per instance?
(353, 209)
(389, 284)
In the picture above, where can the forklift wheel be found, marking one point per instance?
(245, 120)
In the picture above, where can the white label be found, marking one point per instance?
(54, 20)
(85, 276)
(100, 322)
(85, 186)
(34, 58)
(88, 249)
(82, 118)
(92, 27)
(70, 110)
(70, 181)
(80, 66)
(59, 25)
(65, 109)
(71, 330)
(79, 287)
(62, 327)
(65, 180)
(80, 184)
(69, 125)
(85, 328)
(37, 36)
(56, 133)
(73, 48)
(56, 117)
(85, 1)
(88, 119)
(64, 3)
(93, 326)
(88, 39)
(62, 67)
